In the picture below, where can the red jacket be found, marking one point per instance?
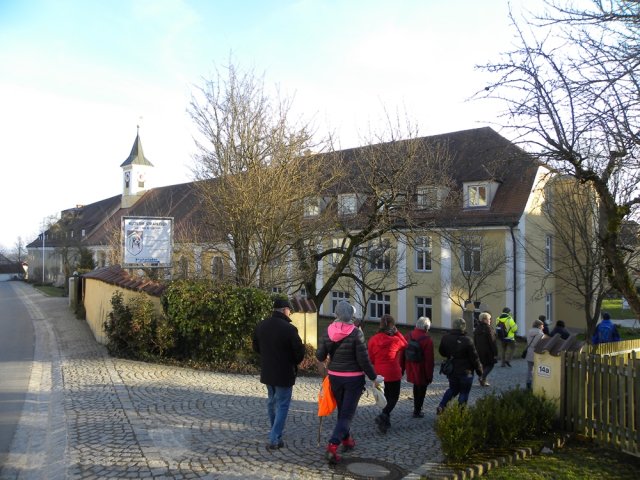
(386, 352)
(420, 373)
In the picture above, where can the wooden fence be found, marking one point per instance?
(601, 395)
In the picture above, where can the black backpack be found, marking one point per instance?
(413, 352)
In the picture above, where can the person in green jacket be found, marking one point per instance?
(506, 329)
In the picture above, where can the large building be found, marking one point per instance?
(476, 240)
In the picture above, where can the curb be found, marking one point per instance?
(479, 469)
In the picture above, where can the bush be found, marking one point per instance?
(454, 428)
(135, 330)
(214, 322)
(494, 422)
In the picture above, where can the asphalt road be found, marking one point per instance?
(16, 356)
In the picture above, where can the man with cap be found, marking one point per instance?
(458, 346)
(281, 349)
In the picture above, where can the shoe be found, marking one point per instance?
(332, 454)
(383, 423)
(418, 415)
(485, 384)
(439, 410)
(275, 446)
(508, 364)
(503, 364)
(348, 444)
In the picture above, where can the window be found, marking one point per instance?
(276, 290)
(311, 207)
(380, 255)
(423, 254)
(217, 268)
(390, 200)
(83, 232)
(548, 252)
(471, 259)
(336, 257)
(423, 307)
(336, 297)
(477, 196)
(379, 304)
(549, 307)
(347, 204)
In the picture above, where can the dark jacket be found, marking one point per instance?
(484, 339)
(562, 331)
(456, 344)
(280, 349)
(344, 344)
(420, 373)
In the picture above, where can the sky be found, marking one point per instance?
(77, 77)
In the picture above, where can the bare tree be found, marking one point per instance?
(572, 92)
(373, 196)
(253, 170)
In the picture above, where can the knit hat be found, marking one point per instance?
(506, 310)
(460, 324)
(344, 311)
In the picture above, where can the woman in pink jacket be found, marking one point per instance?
(386, 349)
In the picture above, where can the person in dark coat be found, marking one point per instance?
(281, 349)
(458, 346)
(484, 338)
(345, 347)
(561, 330)
(420, 374)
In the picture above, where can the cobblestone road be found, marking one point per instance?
(90, 416)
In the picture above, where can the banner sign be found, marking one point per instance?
(147, 241)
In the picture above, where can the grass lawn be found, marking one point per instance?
(614, 307)
(576, 461)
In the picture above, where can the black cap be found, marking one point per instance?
(282, 303)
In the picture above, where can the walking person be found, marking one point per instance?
(606, 331)
(418, 363)
(345, 347)
(534, 335)
(280, 348)
(484, 339)
(561, 330)
(458, 346)
(386, 349)
(506, 329)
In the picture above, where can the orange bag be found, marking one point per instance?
(326, 400)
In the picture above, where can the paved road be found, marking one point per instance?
(89, 416)
(16, 358)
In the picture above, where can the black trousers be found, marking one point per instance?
(419, 392)
(392, 394)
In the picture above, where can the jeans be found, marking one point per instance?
(278, 407)
(458, 385)
(347, 391)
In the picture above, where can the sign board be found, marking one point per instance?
(544, 371)
(147, 242)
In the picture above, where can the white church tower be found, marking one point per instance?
(135, 174)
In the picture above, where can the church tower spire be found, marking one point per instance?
(135, 173)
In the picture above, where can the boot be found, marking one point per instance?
(528, 386)
(332, 454)
(348, 444)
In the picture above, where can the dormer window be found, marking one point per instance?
(311, 207)
(479, 194)
(430, 197)
(347, 204)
